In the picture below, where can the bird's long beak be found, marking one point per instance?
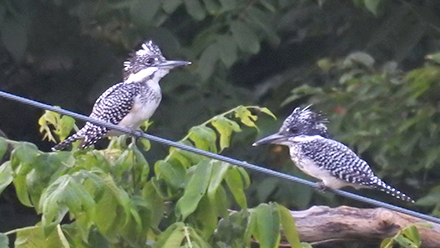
(170, 64)
(271, 139)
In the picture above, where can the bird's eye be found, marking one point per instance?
(292, 130)
(149, 61)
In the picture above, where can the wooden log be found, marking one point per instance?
(322, 224)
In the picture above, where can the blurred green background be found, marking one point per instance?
(370, 66)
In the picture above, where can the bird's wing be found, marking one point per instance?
(112, 106)
(339, 160)
(108, 92)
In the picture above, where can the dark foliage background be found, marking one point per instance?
(371, 66)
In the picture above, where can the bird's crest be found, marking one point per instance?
(148, 50)
(305, 121)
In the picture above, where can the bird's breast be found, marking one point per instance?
(144, 106)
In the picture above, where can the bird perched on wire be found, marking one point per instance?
(129, 103)
(336, 165)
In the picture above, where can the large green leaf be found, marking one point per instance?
(207, 61)
(195, 9)
(204, 138)
(142, 12)
(195, 190)
(3, 147)
(207, 216)
(172, 173)
(4, 241)
(245, 37)
(169, 6)
(212, 6)
(6, 176)
(172, 236)
(34, 237)
(288, 224)
(228, 47)
(14, 36)
(106, 216)
(22, 157)
(225, 127)
(64, 193)
(219, 170)
(236, 186)
(268, 225)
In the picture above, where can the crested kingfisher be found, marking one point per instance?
(131, 102)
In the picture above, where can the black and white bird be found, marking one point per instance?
(336, 165)
(129, 103)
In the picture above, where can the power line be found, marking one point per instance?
(243, 164)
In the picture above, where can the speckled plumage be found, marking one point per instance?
(129, 103)
(332, 162)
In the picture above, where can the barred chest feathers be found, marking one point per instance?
(144, 105)
(310, 167)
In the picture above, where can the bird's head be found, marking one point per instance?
(300, 122)
(148, 62)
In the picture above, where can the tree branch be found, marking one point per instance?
(322, 224)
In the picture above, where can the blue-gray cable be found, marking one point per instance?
(243, 164)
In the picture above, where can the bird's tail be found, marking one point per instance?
(65, 143)
(382, 186)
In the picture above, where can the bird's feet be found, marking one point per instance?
(322, 187)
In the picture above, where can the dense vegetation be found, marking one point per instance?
(371, 66)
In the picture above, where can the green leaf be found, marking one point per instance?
(195, 9)
(146, 143)
(268, 112)
(373, 6)
(142, 12)
(195, 190)
(228, 5)
(234, 230)
(172, 237)
(268, 225)
(14, 37)
(204, 138)
(141, 165)
(173, 174)
(169, 6)
(401, 240)
(207, 217)
(221, 202)
(387, 243)
(245, 177)
(245, 116)
(413, 234)
(261, 19)
(30, 237)
(226, 44)
(207, 61)
(23, 156)
(306, 245)
(64, 193)
(235, 184)
(212, 6)
(288, 224)
(219, 170)
(106, 216)
(3, 147)
(245, 37)
(62, 237)
(6, 176)
(65, 126)
(4, 241)
(22, 190)
(225, 127)
(434, 57)
(155, 204)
